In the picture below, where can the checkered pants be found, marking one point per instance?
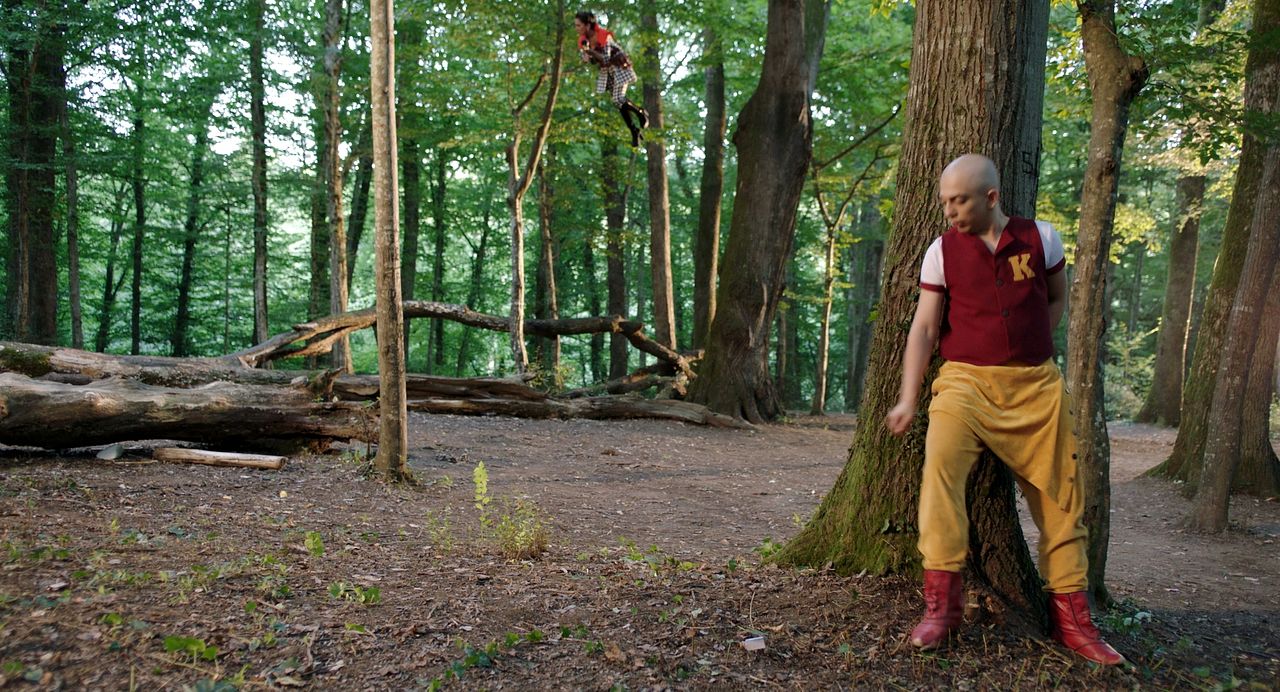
(615, 80)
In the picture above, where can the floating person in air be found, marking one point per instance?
(597, 46)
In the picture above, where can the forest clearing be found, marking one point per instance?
(378, 344)
(319, 576)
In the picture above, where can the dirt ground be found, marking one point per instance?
(131, 574)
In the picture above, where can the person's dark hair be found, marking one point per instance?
(588, 18)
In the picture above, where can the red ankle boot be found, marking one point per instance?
(1073, 628)
(944, 608)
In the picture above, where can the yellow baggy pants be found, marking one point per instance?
(1021, 414)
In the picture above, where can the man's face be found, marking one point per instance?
(964, 204)
(580, 26)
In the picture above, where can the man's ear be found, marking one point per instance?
(993, 198)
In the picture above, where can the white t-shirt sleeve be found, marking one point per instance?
(1054, 254)
(932, 277)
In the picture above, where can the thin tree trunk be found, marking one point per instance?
(360, 201)
(1261, 100)
(332, 104)
(473, 293)
(258, 117)
(664, 313)
(318, 297)
(706, 243)
(110, 287)
(1135, 292)
(440, 217)
(615, 210)
(598, 373)
(819, 405)
(190, 232)
(868, 519)
(1259, 470)
(1223, 442)
(139, 228)
(867, 298)
(1115, 78)
(412, 165)
(518, 182)
(70, 164)
(546, 307)
(393, 434)
(1164, 399)
(226, 282)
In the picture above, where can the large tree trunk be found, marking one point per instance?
(258, 118)
(36, 95)
(393, 429)
(615, 213)
(664, 312)
(868, 519)
(518, 181)
(111, 287)
(72, 172)
(1261, 100)
(412, 165)
(1259, 470)
(774, 148)
(61, 416)
(706, 243)
(1163, 405)
(1223, 442)
(138, 181)
(1114, 80)
(338, 289)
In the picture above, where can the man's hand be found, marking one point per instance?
(584, 56)
(900, 417)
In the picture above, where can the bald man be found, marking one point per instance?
(993, 290)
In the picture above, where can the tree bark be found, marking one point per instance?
(1259, 470)
(864, 277)
(191, 231)
(1261, 100)
(615, 211)
(518, 181)
(338, 289)
(867, 521)
(664, 312)
(393, 430)
(774, 149)
(36, 95)
(706, 243)
(60, 416)
(412, 165)
(1163, 405)
(596, 408)
(318, 297)
(258, 119)
(1223, 442)
(1115, 78)
(473, 293)
(593, 300)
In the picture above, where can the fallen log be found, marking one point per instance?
(59, 416)
(208, 458)
(315, 337)
(596, 408)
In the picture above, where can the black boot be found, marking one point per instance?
(644, 117)
(626, 118)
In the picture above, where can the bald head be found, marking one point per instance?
(974, 172)
(969, 190)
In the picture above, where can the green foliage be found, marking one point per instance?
(515, 526)
(191, 647)
(314, 544)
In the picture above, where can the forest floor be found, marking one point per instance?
(131, 574)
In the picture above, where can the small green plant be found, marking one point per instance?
(516, 527)
(355, 593)
(314, 544)
(480, 657)
(440, 529)
(192, 647)
(768, 548)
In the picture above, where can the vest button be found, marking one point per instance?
(1004, 313)
(999, 283)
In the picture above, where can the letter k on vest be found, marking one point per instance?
(1021, 266)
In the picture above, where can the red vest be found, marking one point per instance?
(601, 39)
(997, 304)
